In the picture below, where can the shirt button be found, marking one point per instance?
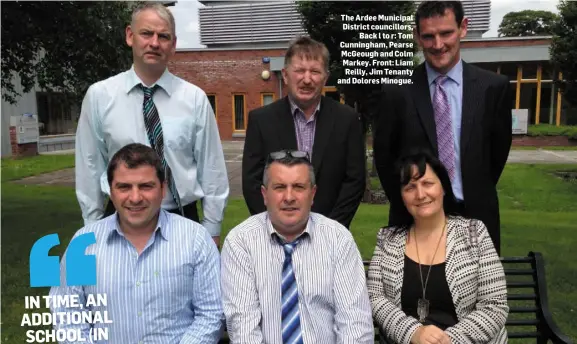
(139, 314)
(138, 284)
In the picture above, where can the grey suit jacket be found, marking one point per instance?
(474, 274)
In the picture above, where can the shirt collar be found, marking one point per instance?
(165, 81)
(272, 232)
(294, 107)
(161, 225)
(455, 74)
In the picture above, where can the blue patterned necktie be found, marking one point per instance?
(443, 121)
(291, 323)
(154, 132)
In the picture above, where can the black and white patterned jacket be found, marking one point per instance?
(474, 274)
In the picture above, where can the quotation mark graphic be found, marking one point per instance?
(45, 269)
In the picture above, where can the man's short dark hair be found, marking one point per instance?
(429, 9)
(289, 160)
(135, 155)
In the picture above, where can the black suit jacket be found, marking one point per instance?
(406, 120)
(338, 156)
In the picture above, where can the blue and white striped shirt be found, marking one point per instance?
(333, 298)
(168, 294)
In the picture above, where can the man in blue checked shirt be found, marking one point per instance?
(160, 272)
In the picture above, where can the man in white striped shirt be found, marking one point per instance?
(160, 272)
(290, 275)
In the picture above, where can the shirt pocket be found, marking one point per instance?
(172, 288)
(178, 134)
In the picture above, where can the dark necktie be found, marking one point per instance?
(154, 132)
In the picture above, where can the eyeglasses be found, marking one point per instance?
(288, 153)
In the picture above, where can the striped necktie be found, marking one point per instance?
(291, 323)
(154, 132)
(444, 125)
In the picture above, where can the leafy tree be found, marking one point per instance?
(323, 22)
(62, 46)
(527, 23)
(564, 49)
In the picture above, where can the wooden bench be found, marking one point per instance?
(529, 314)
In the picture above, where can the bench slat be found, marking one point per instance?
(522, 322)
(519, 272)
(520, 297)
(506, 260)
(518, 284)
(523, 310)
(524, 335)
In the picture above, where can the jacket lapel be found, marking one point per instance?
(323, 128)
(286, 127)
(457, 273)
(399, 252)
(423, 103)
(470, 105)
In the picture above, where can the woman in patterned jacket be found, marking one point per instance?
(436, 278)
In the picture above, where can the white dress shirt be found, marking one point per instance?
(333, 298)
(112, 117)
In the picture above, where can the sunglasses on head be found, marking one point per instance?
(288, 153)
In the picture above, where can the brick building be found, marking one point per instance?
(240, 67)
(233, 82)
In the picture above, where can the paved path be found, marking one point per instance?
(233, 158)
(542, 156)
(232, 155)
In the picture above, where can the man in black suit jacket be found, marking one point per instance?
(327, 130)
(480, 112)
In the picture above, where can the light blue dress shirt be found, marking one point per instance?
(454, 88)
(112, 117)
(168, 294)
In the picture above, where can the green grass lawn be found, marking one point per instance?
(20, 168)
(552, 130)
(539, 213)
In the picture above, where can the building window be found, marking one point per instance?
(266, 98)
(212, 101)
(509, 69)
(332, 92)
(238, 112)
(54, 113)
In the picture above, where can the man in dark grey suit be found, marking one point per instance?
(459, 111)
(328, 131)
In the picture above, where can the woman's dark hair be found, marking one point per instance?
(420, 158)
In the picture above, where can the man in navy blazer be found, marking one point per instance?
(480, 110)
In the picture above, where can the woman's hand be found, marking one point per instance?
(430, 335)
